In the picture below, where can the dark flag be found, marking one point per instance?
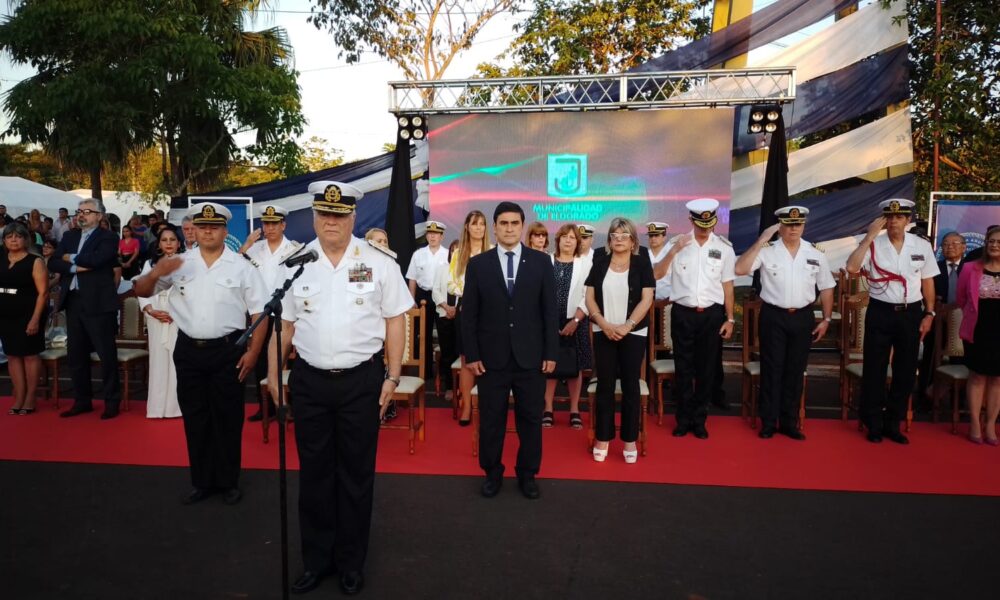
(399, 213)
(775, 193)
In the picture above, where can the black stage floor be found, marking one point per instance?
(107, 532)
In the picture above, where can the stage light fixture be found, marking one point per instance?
(418, 134)
(403, 121)
(404, 133)
(412, 127)
(418, 121)
(763, 119)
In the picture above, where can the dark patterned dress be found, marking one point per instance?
(983, 356)
(564, 276)
(17, 303)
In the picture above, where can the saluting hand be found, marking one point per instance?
(768, 233)
(877, 225)
(246, 364)
(680, 241)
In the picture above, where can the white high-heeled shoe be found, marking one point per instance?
(631, 456)
(600, 455)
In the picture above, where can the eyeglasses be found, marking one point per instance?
(87, 212)
(544, 235)
(952, 244)
(621, 236)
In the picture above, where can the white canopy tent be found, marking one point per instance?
(20, 195)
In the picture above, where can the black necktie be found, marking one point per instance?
(952, 281)
(510, 273)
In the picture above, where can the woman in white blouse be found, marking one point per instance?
(162, 397)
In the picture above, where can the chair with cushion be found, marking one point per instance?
(947, 371)
(132, 345)
(411, 389)
(661, 368)
(751, 360)
(50, 358)
(456, 390)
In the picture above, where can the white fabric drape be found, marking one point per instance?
(878, 145)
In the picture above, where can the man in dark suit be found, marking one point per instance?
(510, 325)
(86, 259)
(953, 249)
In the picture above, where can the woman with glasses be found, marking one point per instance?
(978, 294)
(538, 237)
(619, 295)
(23, 285)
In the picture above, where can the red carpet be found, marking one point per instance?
(836, 456)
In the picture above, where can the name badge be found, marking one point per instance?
(916, 257)
(812, 261)
(714, 253)
(359, 274)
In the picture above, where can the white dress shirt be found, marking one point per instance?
(210, 302)
(698, 272)
(502, 254)
(663, 283)
(60, 227)
(914, 262)
(339, 312)
(791, 282)
(424, 266)
(269, 262)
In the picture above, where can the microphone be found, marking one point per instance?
(302, 258)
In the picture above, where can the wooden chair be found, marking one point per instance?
(265, 396)
(474, 398)
(751, 360)
(848, 285)
(945, 372)
(50, 358)
(660, 369)
(131, 343)
(456, 390)
(643, 403)
(412, 388)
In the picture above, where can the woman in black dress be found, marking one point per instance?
(23, 285)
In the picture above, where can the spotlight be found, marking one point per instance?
(764, 119)
(412, 127)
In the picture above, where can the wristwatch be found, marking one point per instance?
(930, 313)
(630, 323)
(733, 321)
(576, 320)
(392, 379)
(828, 319)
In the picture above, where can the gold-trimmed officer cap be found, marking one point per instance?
(586, 231)
(703, 212)
(273, 214)
(897, 206)
(334, 197)
(209, 213)
(656, 228)
(435, 227)
(792, 215)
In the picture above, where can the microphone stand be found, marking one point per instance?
(273, 309)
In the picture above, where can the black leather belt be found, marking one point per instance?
(378, 357)
(221, 341)
(790, 311)
(896, 307)
(696, 308)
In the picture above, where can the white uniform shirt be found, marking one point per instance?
(208, 303)
(914, 262)
(269, 262)
(698, 272)
(662, 284)
(339, 312)
(60, 227)
(790, 282)
(424, 266)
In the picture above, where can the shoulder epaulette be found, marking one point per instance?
(382, 249)
(252, 261)
(724, 240)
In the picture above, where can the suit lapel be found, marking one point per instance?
(90, 240)
(497, 268)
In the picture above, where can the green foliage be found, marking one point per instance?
(569, 37)
(967, 87)
(421, 37)
(117, 77)
(20, 160)
(316, 155)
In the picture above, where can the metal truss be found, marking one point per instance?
(666, 89)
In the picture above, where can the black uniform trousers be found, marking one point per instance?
(495, 387)
(210, 396)
(618, 360)
(91, 333)
(785, 338)
(427, 344)
(336, 433)
(888, 328)
(697, 346)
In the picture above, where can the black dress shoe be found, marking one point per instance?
(232, 496)
(195, 495)
(681, 430)
(464, 422)
(529, 487)
(766, 433)
(110, 412)
(896, 436)
(307, 582)
(76, 410)
(352, 582)
(721, 404)
(793, 433)
(700, 432)
(875, 438)
(491, 487)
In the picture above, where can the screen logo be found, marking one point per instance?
(567, 175)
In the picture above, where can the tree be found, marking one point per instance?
(958, 101)
(20, 160)
(569, 37)
(117, 77)
(316, 155)
(421, 37)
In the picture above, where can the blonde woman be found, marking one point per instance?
(447, 295)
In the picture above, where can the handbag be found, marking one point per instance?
(567, 360)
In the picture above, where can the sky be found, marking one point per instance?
(348, 104)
